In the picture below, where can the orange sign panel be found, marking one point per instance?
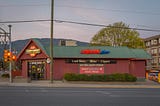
(33, 51)
(92, 70)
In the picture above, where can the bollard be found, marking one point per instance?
(158, 77)
(147, 75)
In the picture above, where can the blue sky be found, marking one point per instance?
(136, 13)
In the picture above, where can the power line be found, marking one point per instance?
(100, 25)
(80, 23)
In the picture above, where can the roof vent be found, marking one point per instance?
(68, 43)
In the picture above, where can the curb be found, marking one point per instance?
(77, 85)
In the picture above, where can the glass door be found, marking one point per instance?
(36, 70)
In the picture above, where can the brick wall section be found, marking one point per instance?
(60, 68)
(122, 66)
(138, 68)
(24, 69)
(16, 73)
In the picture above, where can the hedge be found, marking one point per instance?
(5, 75)
(102, 78)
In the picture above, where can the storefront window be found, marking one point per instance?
(154, 42)
(36, 70)
(148, 43)
(154, 51)
(159, 60)
(159, 40)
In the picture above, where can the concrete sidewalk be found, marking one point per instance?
(145, 84)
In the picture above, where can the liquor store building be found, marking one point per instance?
(35, 62)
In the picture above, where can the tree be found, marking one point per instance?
(118, 34)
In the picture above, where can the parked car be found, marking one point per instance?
(153, 76)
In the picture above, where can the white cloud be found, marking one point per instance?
(91, 15)
(77, 32)
(44, 25)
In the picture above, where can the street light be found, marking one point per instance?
(5, 42)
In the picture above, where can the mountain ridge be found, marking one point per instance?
(18, 45)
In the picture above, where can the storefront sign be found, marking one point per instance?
(94, 51)
(92, 65)
(91, 61)
(48, 60)
(91, 70)
(33, 51)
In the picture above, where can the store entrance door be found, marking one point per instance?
(36, 70)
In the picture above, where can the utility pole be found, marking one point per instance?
(10, 49)
(51, 41)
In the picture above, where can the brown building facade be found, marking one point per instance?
(34, 59)
(153, 48)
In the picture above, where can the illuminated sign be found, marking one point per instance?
(33, 51)
(94, 51)
(91, 70)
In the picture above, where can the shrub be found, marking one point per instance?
(5, 75)
(110, 78)
(70, 77)
(130, 78)
(118, 77)
(95, 77)
(82, 77)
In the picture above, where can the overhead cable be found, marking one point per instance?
(80, 23)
